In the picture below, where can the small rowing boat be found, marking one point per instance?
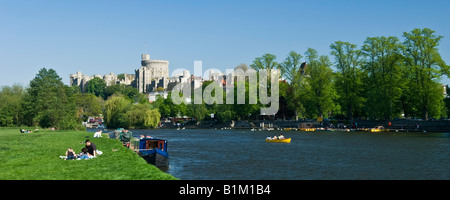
(285, 140)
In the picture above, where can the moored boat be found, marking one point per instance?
(153, 150)
(307, 129)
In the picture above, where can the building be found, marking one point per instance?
(149, 78)
(153, 96)
(82, 80)
(152, 74)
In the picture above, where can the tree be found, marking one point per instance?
(160, 89)
(47, 104)
(267, 65)
(142, 116)
(197, 111)
(131, 93)
(285, 97)
(294, 94)
(320, 90)
(267, 61)
(152, 118)
(348, 81)
(382, 66)
(289, 101)
(242, 67)
(163, 108)
(424, 66)
(121, 77)
(10, 107)
(97, 87)
(246, 110)
(87, 104)
(291, 66)
(168, 108)
(225, 113)
(115, 109)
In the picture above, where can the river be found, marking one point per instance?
(199, 154)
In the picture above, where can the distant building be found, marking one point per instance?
(152, 74)
(444, 90)
(185, 78)
(82, 80)
(153, 96)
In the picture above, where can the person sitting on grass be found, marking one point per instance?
(70, 154)
(84, 155)
(92, 149)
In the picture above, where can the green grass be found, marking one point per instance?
(35, 156)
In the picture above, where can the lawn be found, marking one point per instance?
(35, 156)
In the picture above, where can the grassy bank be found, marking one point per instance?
(35, 156)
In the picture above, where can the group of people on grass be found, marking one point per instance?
(89, 151)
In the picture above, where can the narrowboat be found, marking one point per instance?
(153, 150)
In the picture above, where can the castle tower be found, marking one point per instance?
(151, 74)
(145, 59)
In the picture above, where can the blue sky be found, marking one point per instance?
(99, 37)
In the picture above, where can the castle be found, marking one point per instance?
(152, 75)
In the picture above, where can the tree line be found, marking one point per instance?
(48, 102)
(383, 79)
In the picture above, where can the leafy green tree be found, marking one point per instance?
(115, 109)
(424, 66)
(168, 108)
(247, 110)
(382, 67)
(197, 111)
(121, 77)
(142, 116)
(162, 106)
(152, 118)
(47, 104)
(160, 89)
(267, 61)
(97, 87)
(225, 113)
(129, 92)
(291, 66)
(87, 104)
(10, 107)
(348, 80)
(319, 92)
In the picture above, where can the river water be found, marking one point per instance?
(197, 154)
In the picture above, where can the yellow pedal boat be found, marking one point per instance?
(286, 140)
